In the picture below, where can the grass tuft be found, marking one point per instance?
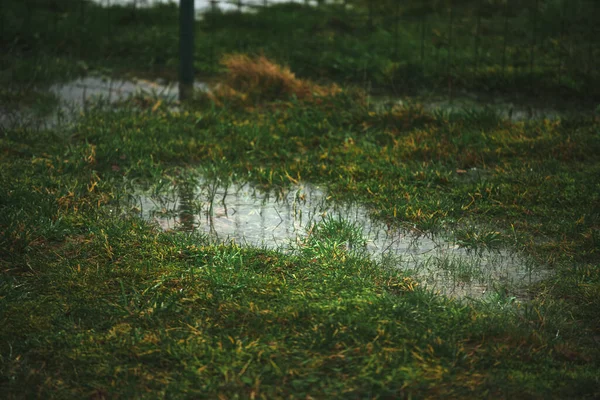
(254, 80)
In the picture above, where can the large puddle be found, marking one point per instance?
(286, 220)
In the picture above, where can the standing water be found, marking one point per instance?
(286, 220)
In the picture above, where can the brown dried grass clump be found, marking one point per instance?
(252, 80)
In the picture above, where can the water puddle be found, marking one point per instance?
(286, 220)
(75, 96)
(83, 91)
(514, 110)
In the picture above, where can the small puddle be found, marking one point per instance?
(75, 96)
(524, 110)
(284, 221)
(82, 91)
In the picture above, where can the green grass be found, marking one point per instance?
(96, 302)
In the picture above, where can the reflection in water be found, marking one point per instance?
(79, 92)
(75, 96)
(473, 104)
(284, 220)
(186, 216)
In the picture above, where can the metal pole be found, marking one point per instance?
(396, 22)
(108, 20)
(590, 44)
(213, 29)
(533, 40)
(560, 42)
(81, 25)
(186, 49)
(423, 39)
(505, 38)
(449, 66)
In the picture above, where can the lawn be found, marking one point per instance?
(98, 302)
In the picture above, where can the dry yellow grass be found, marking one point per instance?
(255, 80)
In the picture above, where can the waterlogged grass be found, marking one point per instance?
(99, 303)
(408, 165)
(96, 302)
